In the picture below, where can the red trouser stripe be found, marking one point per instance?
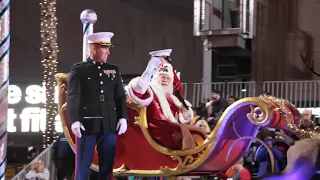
(76, 156)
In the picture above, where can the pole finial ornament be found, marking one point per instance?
(88, 16)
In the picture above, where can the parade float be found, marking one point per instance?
(139, 154)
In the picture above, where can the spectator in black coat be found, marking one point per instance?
(63, 158)
(216, 108)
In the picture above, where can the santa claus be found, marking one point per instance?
(168, 119)
(164, 56)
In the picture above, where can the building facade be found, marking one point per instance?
(140, 26)
(284, 28)
(268, 38)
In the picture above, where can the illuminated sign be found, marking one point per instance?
(32, 116)
(26, 112)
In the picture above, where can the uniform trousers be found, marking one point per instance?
(106, 147)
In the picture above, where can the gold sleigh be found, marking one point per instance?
(140, 155)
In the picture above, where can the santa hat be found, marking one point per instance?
(165, 69)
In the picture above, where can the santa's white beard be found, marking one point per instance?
(162, 93)
(166, 90)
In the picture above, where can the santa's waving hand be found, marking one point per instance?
(144, 80)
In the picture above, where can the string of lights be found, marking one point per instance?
(50, 60)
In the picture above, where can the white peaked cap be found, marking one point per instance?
(164, 52)
(102, 38)
(165, 69)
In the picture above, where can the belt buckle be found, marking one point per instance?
(101, 97)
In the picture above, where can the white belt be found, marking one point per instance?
(91, 117)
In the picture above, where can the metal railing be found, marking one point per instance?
(211, 15)
(304, 94)
(46, 157)
(198, 93)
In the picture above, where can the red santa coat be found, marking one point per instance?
(167, 133)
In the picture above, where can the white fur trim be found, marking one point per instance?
(178, 75)
(188, 104)
(164, 104)
(186, 116)
(176, 101)
(181, 119)
(139, 85)
(179, 105)
(132, 86)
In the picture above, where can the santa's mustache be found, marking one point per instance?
(166, 89)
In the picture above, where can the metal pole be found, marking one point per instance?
(4, 81)
(88, 17)
(207, 70)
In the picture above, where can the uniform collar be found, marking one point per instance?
(95, 62)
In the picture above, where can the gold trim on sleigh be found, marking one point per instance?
(188, 160)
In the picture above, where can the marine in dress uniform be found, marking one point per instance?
(96, 104)
(164, 56)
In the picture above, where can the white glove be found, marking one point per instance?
(154, 64)
(122, 126)
(75, 127)
(153, 67)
